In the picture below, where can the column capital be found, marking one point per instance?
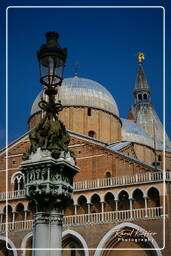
(48, 218)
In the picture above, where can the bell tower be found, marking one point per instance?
(142, 111)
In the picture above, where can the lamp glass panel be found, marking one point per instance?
(51, 70)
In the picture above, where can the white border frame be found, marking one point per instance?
(24, 241)
(73, 233)
(164, 174)
(13, 248)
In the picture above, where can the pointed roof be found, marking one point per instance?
(145, 115)
(141, 81)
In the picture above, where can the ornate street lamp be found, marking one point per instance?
(51, 60)
(49, 166)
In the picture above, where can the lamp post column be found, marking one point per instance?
(49, 166)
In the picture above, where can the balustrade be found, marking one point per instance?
(92, 218)
(139, 178)
(149, 177)
(16, 194)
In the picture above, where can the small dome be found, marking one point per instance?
(133, 132)
(78, 91)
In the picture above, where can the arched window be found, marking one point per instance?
(108, 174)
(95, 204)
(123, 203)
(140, 96)
(109, 202)
(19, 212)
(138, 199)
(82, 205)
(153, 197)
(18, 181)
(91, 134)
(145, 96)
(7, 209)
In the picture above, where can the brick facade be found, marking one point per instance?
(114, 189)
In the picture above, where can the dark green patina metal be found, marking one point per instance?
(49, 165)
(50, 134)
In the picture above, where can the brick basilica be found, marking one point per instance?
(119, 195)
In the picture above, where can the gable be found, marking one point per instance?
(89, 152)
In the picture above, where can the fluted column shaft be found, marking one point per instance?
(47, 233)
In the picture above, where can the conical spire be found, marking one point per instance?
(141, 89)
(141, 81)
(142, 111)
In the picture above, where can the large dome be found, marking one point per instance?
(78, 91)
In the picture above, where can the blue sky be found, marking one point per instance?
(104, 41)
